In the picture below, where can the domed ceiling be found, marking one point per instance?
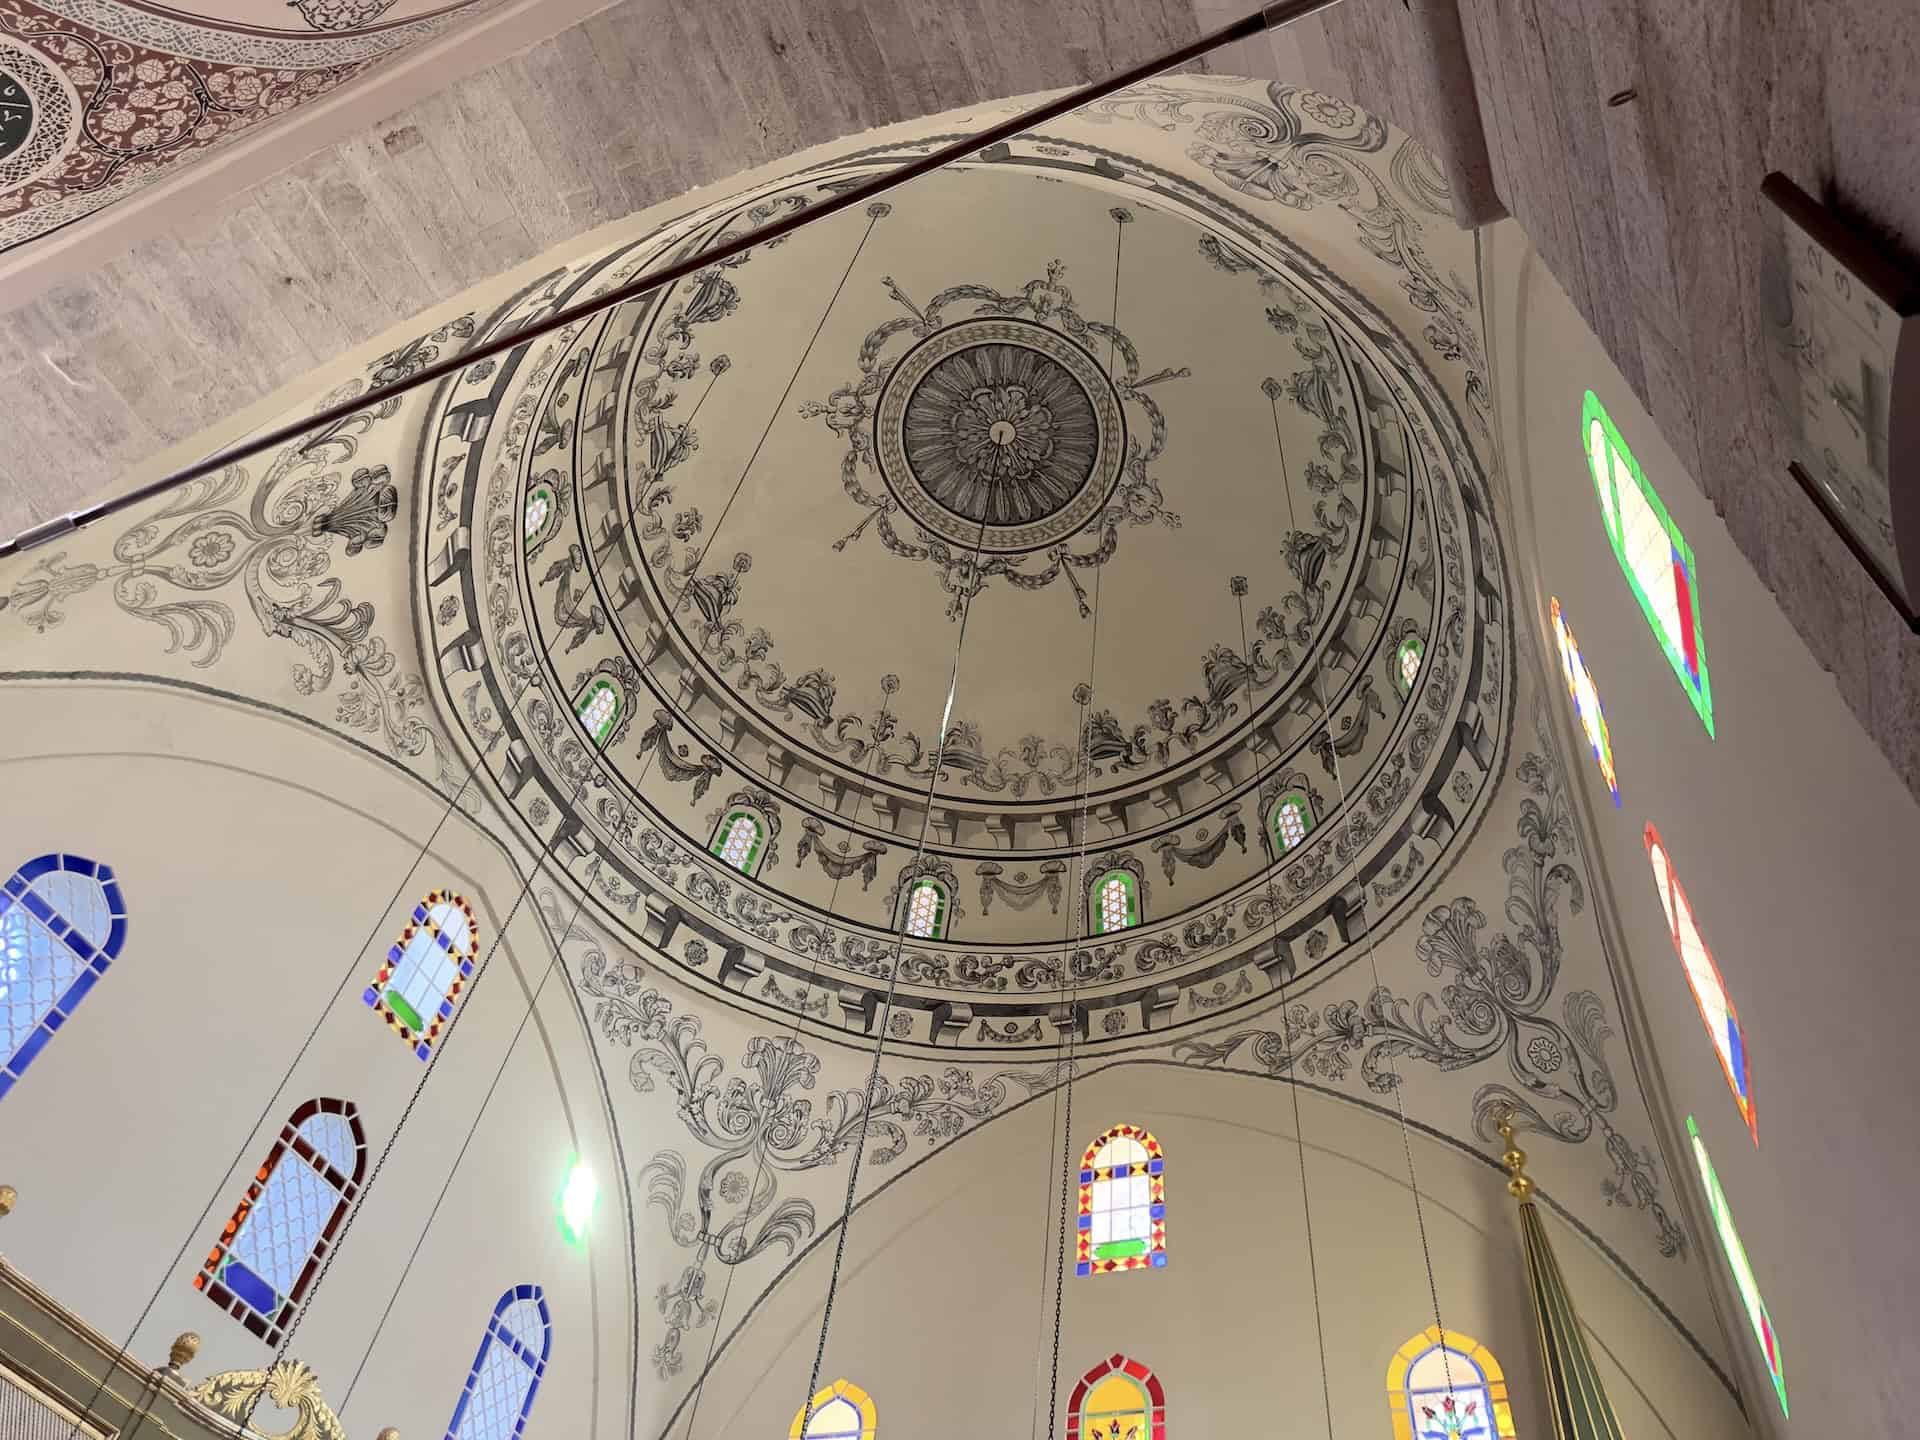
(1136, 477)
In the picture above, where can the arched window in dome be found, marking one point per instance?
(740, 840)
(417, 985)
(924, 911)
(1116, 902)
(1290, 820)
(1743, 1278)
(842, 1411)
(271, 1249)
(507, 1372)
(1442, 1385)
(600, 706)
(1653, 554)
(541, 516)
(1586, 700)
(62, 923)
(1406, 663)
(1123, 1203)
(1703, 978)
(1118, 1399)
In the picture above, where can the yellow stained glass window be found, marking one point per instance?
(842, 1411)
(1442, 1385)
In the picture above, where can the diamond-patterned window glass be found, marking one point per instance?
(1123, 1203)
(420, 980)
(62, 923)
(1703, 978)
(1654, 556)
(1118, 1399)
(926, 910)
(1406, 663)
(1117, 902)
(1442, 1385)
(270, 1250)
(737, 840)
(842, 1411)
(599, 708)
(500, 1389)
(1292, 819)
(541, 512)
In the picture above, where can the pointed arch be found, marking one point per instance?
(1115, 901)
(506, 1374)
(1290, 820)
(1442, 1385)
(740, 839)
(420, 981)
(1118, 1399)
(62, 923)
(1122, 1222)
(842, 1411)
(266, 1257)
(601, 705)
(924, 909)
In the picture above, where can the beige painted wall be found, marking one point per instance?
(1795, 843)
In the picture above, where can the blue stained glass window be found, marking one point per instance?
(272, 1247)
(507, 1370)
(62, 923)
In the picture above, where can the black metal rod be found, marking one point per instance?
(1272, 18)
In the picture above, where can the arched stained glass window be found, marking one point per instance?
(1442, 1385)
(1653, 554)
(270, 1250)
(926, 917)
(506, 1373)
(425, 970)
(1118, 1399)
(1116, 902)
(1586, 700)
(1406, 663)
(1289, 821)
(542, 514)
(1123, 1203)
(1736, 1254)
(599, 708)
(1703, 978)
(62, 923)
(739, 840)
(842, 1411)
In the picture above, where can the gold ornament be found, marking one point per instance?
(290, 1385)
(1515, 1162)
(185, 1346)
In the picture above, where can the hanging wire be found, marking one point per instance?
(1346, 823)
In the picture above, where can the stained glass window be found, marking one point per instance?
(1406, 663)
(1289, 821)
(1442, 1385)
(62, 923)
(1118, 1399)
(737, 841)
(1586, 700)
(272, 1247)
(425, 970)
(926, 910)
(842, 1411)
(1703, 978)
(506, 1373)
(1116, 902)
(599, 708)
(541, 514)
(1123, 1203)
(1653, 554)
(1736, 1254)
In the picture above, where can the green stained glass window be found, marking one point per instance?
(1743, 1279)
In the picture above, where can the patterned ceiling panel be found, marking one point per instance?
(100, 98)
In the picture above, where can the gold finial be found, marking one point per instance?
(185, 1346)
(8, 1195)
(1515, 1161)
(390, 1433)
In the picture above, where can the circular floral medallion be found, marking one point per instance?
(1001, 421)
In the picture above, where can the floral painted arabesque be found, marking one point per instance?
(1001, 434)
(275, 539)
